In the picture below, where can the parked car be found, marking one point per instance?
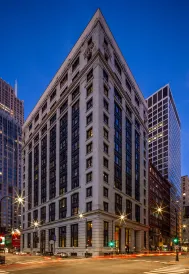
(61, 254)
(48, 253)
(38, 253)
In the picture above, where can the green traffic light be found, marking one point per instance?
(176, 240)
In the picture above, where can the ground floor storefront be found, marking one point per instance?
(91, 234)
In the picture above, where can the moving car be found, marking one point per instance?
(61, 254)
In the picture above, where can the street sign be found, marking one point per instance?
(176, 246)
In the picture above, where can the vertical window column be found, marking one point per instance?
(75, 145)
(44, 169)
(63, 154)
(52, 163)
(36, 175)
(30, 180)
(128, 145)
(118, 146)
(137, 166)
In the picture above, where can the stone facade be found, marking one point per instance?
(102, 69)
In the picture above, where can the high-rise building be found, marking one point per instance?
(159, 210)
(11, 120)
(165, 144)
(10, 103)
(185, 206)
(85, 154)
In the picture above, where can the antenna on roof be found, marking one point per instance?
(16, 88)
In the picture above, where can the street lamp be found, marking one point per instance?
(19, 200)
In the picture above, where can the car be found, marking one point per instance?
(61, 254)
(48, 253)
(38, 253)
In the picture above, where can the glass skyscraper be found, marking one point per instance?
(165, 141)
(11, 120)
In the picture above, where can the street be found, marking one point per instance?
(140, 265)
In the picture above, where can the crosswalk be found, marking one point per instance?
(169, 270)
(149, 261)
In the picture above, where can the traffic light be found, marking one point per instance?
(176, 240)
(111, 244)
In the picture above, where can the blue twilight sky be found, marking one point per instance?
(37, 35)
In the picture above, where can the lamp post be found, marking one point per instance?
(19, 200)
(176, 239)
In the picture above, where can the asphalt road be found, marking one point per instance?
(144, 265)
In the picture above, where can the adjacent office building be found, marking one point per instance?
(159, 199)
(11, 121)
(165, 145)
(85, 154)
(185, 206)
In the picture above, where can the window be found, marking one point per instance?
(89, 191)
(62, 208)
(90, 40)
(75, 93)
(64, 80)
(44, 129)
(43, 214)
(35, 215)
(74, 235)
(106, 91)
(106, 119)
(89, 177)
(89, 162)
(74, 204)
(117, 66)
(75, 64)
(44, 107)
(89, 104)
(30, 126)
(53, 95)
(35, 239)
(62, 236)
(105, 161)
(137, 213)
(129, 209)
(89, 148)
(90, 75)
(88, 206)
(75, 77)
(36, 117)
(89, 118)
(52, 235)
(106, 232)
(106, 148)
(137, 101)
(52, 212)
(106, 105)
(105, 191)
(128, 85)
(118, 204)
(105, 177)
(117, 95)
(52, 119)
(29, 219)
(105, 75)
(89, 90)
(63, 92)
(89, 233)
(106, 134)
(89, 133)
(29, 240)
(64, 106)
(105, 206)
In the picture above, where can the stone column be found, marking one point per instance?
(138, 241)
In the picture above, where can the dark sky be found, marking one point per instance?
(37, 35)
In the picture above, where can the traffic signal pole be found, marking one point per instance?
(177, 254)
